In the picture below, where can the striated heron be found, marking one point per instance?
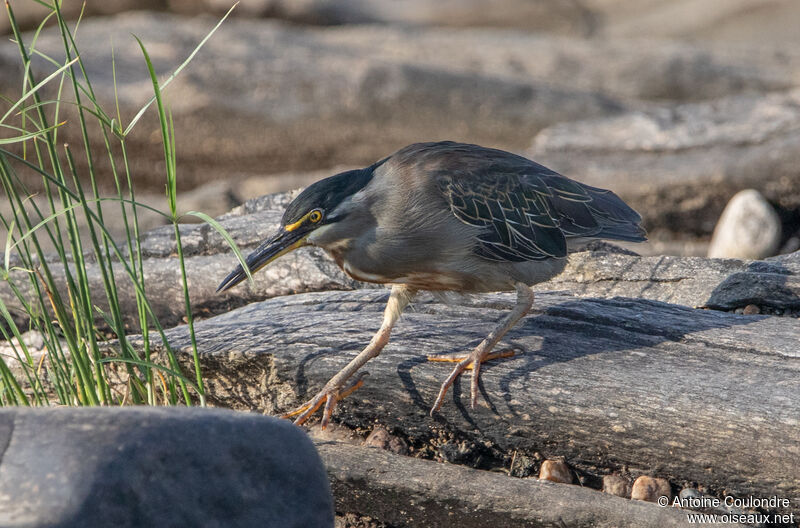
(443, 217)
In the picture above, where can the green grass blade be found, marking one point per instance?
(54, 291)
(227, 237)
(36, 88)
(28, 135)
(169, 79)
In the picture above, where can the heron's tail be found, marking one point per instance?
(617, 220)
(584, 211)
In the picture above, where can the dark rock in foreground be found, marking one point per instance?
(146, 467)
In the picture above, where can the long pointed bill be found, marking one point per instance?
(278, 244)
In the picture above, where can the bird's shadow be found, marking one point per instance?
(622, 328)
(300, 377)
(454, 393)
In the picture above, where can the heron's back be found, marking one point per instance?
(454, 216)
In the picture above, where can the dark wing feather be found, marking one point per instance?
(526, 210)
(517, 222)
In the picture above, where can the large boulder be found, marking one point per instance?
(309, 101)
(733, 21)
(149, 467)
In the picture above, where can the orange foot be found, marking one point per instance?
(471, 362)
(330, 396)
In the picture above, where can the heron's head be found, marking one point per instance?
(320, 205)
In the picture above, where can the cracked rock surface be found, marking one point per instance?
(612, 385)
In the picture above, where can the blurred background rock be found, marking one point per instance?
(675, 104)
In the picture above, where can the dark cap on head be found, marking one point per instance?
(327, 194)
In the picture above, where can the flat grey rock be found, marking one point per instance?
(697, 282)
(648, 387)
(410, 492)
(145, 467)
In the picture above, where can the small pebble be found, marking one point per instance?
(382, 439)
(555, 471)
(751, 309)
(650, 489)
(617, 485)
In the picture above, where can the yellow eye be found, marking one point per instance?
(315, 216)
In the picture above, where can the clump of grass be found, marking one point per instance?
(83, 344)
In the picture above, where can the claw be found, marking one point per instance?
(330, 397)
(306, 406)
(470, 362)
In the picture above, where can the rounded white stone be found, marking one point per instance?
(749, 228)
